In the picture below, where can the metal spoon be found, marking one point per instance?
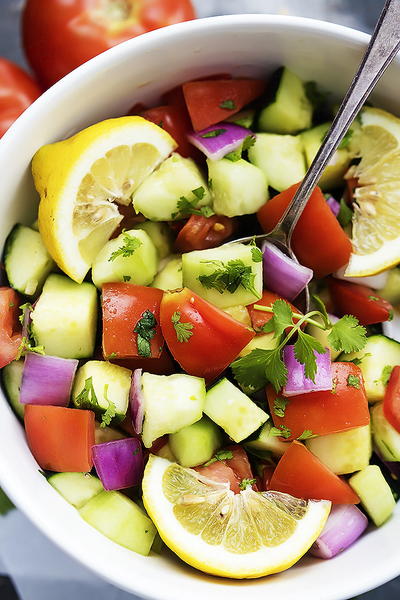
(382, 49)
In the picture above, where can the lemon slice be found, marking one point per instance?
(81, 181)
(246, 535)
(376, 222)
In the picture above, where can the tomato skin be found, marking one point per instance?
(318, 240)
(201, 233)
(302, 475)
(239, 462)
(360, 301)
(391, 401)
(17, 91)
(10, 327)
(222, 473)
(58, 36)
(204, 98)
(326, 412)
(163, 365)
(123, 304)
(60, 439)
(260, 318)
(176, 123)
(216, 338)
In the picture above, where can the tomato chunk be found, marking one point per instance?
(60, 439)
(123, 306)
(360, 301)
(212, 339)
(391, 401)
(239, 462)
(211, 101)
(10, 327)
(302, 475)
(345, 407)
(176, 123)
(318, 240)
(201, 233)
(222, 473)
(260, 318)
(163, 365)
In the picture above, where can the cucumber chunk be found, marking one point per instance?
(131, 256)
(265, 442)
(100, 386)
(378, 357)
(343, 452)
(263, 341)
(322, 336)
(239, 313)
(202, 263)
(333, 174)
(26, 260)
(76, 488)
(239, 188)
(171, 402)
(290, 111)
(161, 236)
(280, 157)
(244, 118)
(375, 493)
(12, 377)
(121, 520)
(158, 196)
(196, 444)
(386, 438)
(232, 410)
(170, 275)
(391, 291)
(64, 319)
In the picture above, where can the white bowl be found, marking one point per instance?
(139, 71)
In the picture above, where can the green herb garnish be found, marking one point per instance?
(256, 254)
(228, 277)
(214, 133)
(228, 105)
(183, 330)
(281, 431)
(130, 245)
(87, 396)
(246, 483)
(188, 207)
(306, 435)
(146, 330)
(234, 156)
(221, 455)
(127, 278)
(280, 405)
(111, 411)
(353, 381)
(386, 373)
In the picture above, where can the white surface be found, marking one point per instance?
(138, 71)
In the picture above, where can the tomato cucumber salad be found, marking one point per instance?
(172, 386)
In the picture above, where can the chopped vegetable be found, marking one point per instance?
(219, 140)
(297, 381)
(47, 380)
(344, 526)
(282, 274)
(119, 464)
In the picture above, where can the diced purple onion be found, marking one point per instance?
(376, 282)
(344, 526)
(297, 382)
(282, 274)
(119, 464)
(47, 380)
(137, 401)
(333, 205)
(392, 328)
(229, 137)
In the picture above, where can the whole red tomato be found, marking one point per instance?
(60, 35)
(17, 91)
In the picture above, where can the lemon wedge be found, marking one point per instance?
(246, 535)
(81, 181)
(376, 222)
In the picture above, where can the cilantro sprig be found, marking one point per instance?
(146, 330)
(28, 343)
(219, 456)
(259, 367)
(183, 330)
(186, 206)
(228, 277)
(129, 246)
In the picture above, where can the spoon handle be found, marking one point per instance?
(383, 47)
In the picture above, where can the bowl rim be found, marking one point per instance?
(389, 569)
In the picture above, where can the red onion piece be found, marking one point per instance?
(344, 526)
(47, 380)
(228, 138)
(137, 401)
(333, 205)
(282, 274)
(297, 382)
(376, 282)
(119, 464)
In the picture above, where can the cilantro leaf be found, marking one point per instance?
(304, 349)
(221, 455)
(256, 254)
(306, 435)
(234, 156)
(347, 335)
(345, 213)
(199, 192)
(183, 330)
(353, 381)
(229, 277)
(186, 207)
(24, 308)
(281, 431)
(27, 345)
(111, 411)
(249, 370)
(248, 142)
(283, 318)
(275, 369)
(87, 396)
(214, 133)
(246, 483)
(146, 330)
(280, 405)
(228, 105)
(358, 361)
(131, 244)
(374, 298)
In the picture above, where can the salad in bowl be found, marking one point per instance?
(174, 386)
